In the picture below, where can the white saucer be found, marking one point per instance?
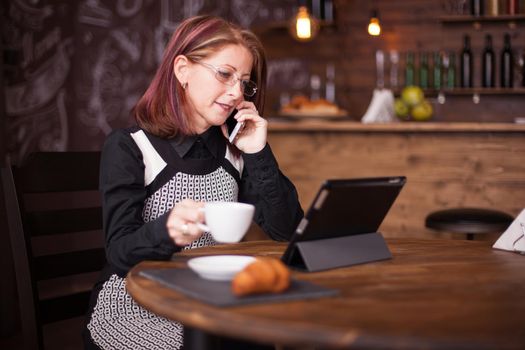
(219, 267)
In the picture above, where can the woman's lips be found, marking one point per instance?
(225, 107)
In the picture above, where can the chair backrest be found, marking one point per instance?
(55, 227)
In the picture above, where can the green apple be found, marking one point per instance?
(422, 111)
(402, 110)
(412, 95)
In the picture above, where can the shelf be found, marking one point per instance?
(477, 21)
(472, 91)
(470, 19)
(279, 125)
(484, 91)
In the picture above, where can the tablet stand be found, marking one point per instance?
(330, 253)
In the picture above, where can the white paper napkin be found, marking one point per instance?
(513, 239)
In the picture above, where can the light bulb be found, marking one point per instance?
(374, 28)
(304, 27)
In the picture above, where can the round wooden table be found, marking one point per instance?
(433, 294)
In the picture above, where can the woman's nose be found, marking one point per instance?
(236, 89)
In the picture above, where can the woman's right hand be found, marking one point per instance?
(182, 223)
(252, 137)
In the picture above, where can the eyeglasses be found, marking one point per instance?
(228, 76)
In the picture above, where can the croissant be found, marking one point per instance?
(264, 275)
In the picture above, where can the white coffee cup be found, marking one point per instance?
(227, 221)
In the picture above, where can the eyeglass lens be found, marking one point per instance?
(227, 76)
(249, 88)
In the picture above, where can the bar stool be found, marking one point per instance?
(470, 221)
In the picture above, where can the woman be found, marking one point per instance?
(156, 176)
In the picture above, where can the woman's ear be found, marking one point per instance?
(181, 68)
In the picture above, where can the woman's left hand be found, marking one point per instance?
(252, 137)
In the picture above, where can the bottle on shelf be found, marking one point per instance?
(409, 69)
(423, 70)
(488, 64)
(330, 83)
(394, 69)
(452, 72)
(476, 8)
(316, 8)
(507, 64)
(522, 65)
(436, 71)
(449, 70)
(328, 11)
(466, 64)
(315, 87)
(380, 69)
(512, 7)
(493, 7)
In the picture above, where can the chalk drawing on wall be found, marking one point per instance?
(170, 18)
(111, 86)
(41, 85)
(128, 8)
(94, 13)
(29, 17)
(291, 73)
(245, 11)
(117, 64)
(45, 129)
(116, 48)
(250, 13)
(36, 93)
(106, 81)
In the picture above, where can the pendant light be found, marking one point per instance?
(304, 26)
(374, 28)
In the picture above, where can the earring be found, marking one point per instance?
(185, 85)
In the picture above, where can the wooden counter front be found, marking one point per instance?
(447, 164)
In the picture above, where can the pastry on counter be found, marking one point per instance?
(264, 275)
(301, 105)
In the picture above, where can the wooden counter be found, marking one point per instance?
(447, 164)
(316, 125)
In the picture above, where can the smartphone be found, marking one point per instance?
(233, 127)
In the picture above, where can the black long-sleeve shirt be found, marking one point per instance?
(126, 183)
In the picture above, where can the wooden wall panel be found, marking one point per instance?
(443, 169)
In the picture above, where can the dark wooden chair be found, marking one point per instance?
(55, 227)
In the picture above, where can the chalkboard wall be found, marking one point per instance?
(74, 69)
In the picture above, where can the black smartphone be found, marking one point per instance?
(233, 126)
(231, 122)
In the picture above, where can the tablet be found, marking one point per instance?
(346, 207)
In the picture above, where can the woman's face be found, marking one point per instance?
(210, 100)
